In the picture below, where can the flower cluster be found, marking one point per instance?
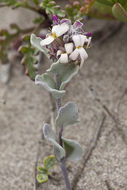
(67, 42)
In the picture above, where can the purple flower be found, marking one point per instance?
(78, 24)
(55, 19)
(89, 34)
(66, 21)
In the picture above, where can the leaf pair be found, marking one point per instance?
(65, 72)
(44, 171)
(71, 150)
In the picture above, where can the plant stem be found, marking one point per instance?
(58, 103)
(65, 174)
(62, 162)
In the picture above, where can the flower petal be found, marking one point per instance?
(88, 41)
(59, 52)
(78, 24)
(83, 39)
(63, 58)
(88, 34)
(79, 40)
(83, 55)
(74, 54)
(69, 48)
(47, 41)
(60, 29)
(55, 19)
(67, 21)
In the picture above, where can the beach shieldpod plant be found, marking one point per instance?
(66, 46)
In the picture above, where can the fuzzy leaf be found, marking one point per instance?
(119, 12)
(49, 84)
(41, 178)
(49, 162)
(73, 149)
(67, 115)
(65, 71)
(50, 136)
(35, 41)
(48, 132)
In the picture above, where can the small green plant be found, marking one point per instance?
(44, 171)
(65, 46)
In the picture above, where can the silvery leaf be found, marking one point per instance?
(35, 41)
(50, 136)
(73, 149)
(49, 84)
(67, 115)
(65, 71)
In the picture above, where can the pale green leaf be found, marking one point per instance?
(73, 149)
(35, 41)
(50, 136)
(48, 83)
(49, 162)
(65, 71)
(41, 178)
(67, 115)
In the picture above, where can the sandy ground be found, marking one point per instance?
(27, 107)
